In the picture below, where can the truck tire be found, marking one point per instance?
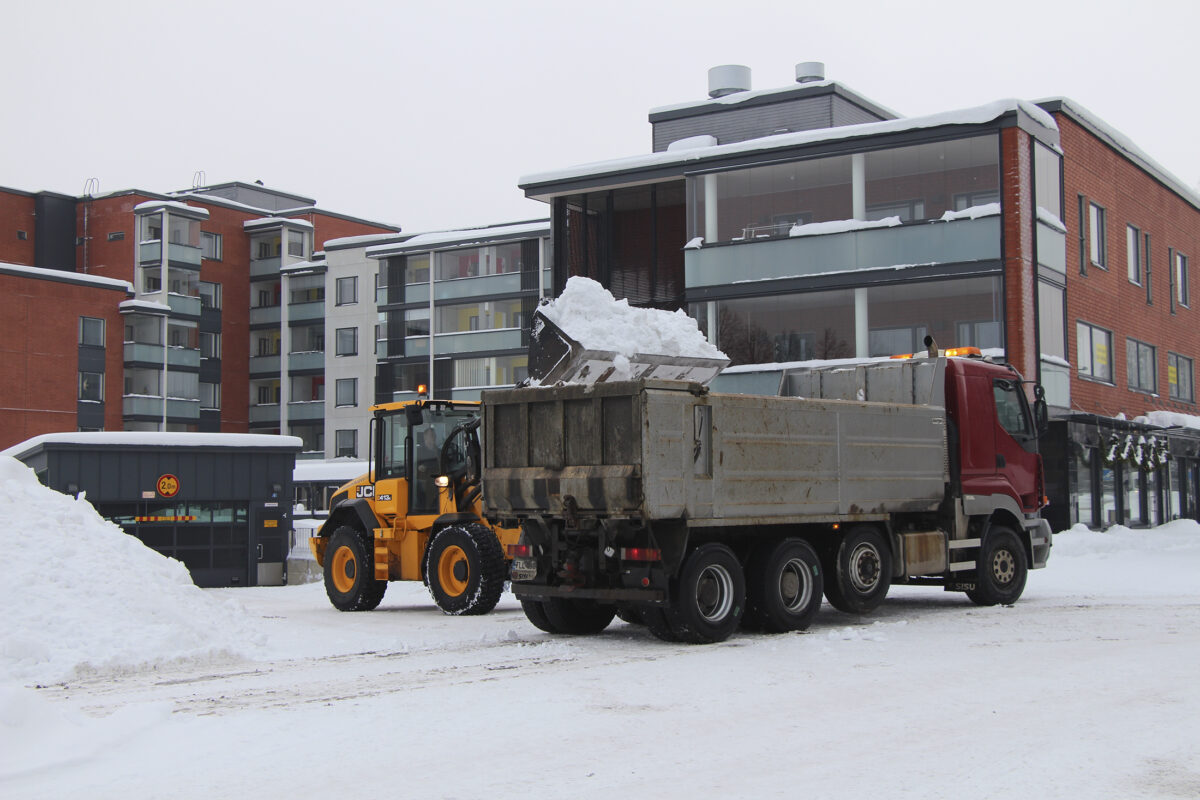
(535, 612)
(1000, 576)
(464, 570)
(783, 587)
(859, 572)
(578, 617)
(711, 596)
(656, 621)
(350, 571)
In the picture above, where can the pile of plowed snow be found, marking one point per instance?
(590, 315)
(81, 596)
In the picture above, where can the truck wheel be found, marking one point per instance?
(711, 597)
(535, 612)
(860, 571)
(784, 586)
(578, 617)
(1000, 576)
(350, 571)
(656, 621)
(464, 569)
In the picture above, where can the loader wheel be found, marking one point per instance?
(1001, 572)
(350, 571)
(784, 587)
(711, 596)
(464, 569)
(859, 572)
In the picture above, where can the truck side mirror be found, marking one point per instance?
(1041, 412)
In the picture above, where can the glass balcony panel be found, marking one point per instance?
(303, 361)
(147, 353)
(264, 315)
(183, 357)
(1051, 248)
(477, 287)
(306, 410)
(416, 293)
(306, 311)
(150, 252)
(178, 409)
(264, 365)
(183, 254)
(474, 341)
(140, 406)
(182, 304)
(265, 267)
(265, 413)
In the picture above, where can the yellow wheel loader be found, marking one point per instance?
(416, 514)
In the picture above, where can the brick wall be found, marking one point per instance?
(1107, 298)
(16, 215)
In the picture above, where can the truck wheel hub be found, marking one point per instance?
(864, 568)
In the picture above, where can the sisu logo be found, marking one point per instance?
(365, 490)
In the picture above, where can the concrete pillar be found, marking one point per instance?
(858, 202)
(710, 208)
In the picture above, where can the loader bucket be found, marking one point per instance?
(554, 357)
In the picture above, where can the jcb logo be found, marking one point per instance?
(366, 490)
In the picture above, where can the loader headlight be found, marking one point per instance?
(441, 481)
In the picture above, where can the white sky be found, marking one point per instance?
(425, 114)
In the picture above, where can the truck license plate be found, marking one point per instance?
(524, 569)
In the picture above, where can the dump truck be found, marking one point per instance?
(416, 514)
(639, 492)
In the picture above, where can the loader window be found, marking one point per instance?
(392, 432)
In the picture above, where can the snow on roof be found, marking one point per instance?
(64, 275)
(967, 116)
(201, 197)
(589, 314)
(171, 205)
(265, 222)
(366, 239)
(155, 439)
(1123, 143)
(1170, 419)
(145, 305)
(433, 240)
(331, 469)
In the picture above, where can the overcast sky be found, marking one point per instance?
(425, 115)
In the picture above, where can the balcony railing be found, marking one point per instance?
(264, 365)
(263, 315)
(178, 409)
(306, 361)
(265, 267)
(306, 410)
(300, 312)
(184, 304)
(474, 341)
(265, 413)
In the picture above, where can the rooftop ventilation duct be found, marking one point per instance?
(810, 71)
(728, 79)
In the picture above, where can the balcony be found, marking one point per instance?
(184, 304)
(957, 241)
(306, 361)
(143, 353)
(305, 411)
(179, 255)
(265, 267)
(475, 341)
(264, 365)
(178, 409)
(264, 414)
(264, 315)
(304, 312)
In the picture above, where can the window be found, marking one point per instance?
(210, 295)
(210, 246)
(1180, 378)
(1133, 257)
(1181, 279)
(268, 395)
(1093, 349)
(150, 228)
(296, 243)
(347, 341)
(347, 291)
(1009, 408)
(151, 280)
(346, 444)
(1140, 366)
(91, 386)
(23, 236)
(116, 236)
(210, 395)
(347, 392)
(1083, 257)
(1096, 236)
(91, 331)
(210, 345)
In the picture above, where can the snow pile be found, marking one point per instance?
(589, 314)
(80, 595)
(842, 226)
(974, 212)
(1170, 419)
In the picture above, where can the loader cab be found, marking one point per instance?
(415, 443)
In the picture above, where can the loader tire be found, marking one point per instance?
(710, 597)
(350, 571)
(784, 584)
(1002, 570)
(858, 573)
(464, 570)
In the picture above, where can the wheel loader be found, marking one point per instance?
(416, 514)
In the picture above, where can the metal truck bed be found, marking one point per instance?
(660, 450)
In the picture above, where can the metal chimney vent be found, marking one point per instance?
(810, 71)
(728, 79)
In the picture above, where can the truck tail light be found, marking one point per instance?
(518, 550)
(641, 554)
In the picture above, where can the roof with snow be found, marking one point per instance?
(65, 276)
(104, 439)
(172, 206)
(445, 240)
(676, 163)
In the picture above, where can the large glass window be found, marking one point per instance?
(416, 269)
(496, 371)
(1082, 496)
(485, 316)
(266, 245)
(210, 345)
(1180, 378)
(306, 289)
(210, 395)
(347, 392)
(184, 231)
(210, 245)
(1140, 366)
(91, 331)
(91, 386)
(1094, 352)
(143, 382)
(1046, 179)
(1055, 369)
(183, 385)
(306, 388)
(150, 228)
(296, 243)
(912, 183)
(210, 295)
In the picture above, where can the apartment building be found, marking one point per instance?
(809, 222)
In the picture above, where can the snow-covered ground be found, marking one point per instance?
(119, 679)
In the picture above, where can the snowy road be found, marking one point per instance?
(1067, 694)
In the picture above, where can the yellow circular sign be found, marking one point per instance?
(168, 485)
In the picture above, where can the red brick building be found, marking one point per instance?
(177, 282)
